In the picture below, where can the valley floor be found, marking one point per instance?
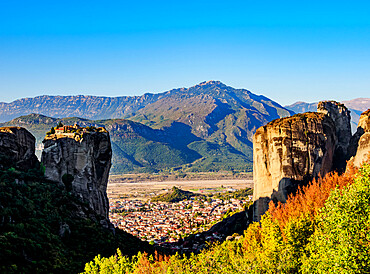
(161, 223)
(146, 190)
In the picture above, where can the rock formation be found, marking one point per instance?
(292, 151)
(342, 120)
(81, 162)
(289, 151)
(359, 147)
(17, 145)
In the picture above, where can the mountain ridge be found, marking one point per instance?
(114, 107)
(207, 127)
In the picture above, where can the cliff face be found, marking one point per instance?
(62, 232)
(360, 142)
(81, 164)
(288, 151)
(292, 151)
(18, 146)
(342, 120)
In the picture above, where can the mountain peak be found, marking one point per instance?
(210, 83)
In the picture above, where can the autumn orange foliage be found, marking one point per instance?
(308, 200)
(283, 242)
(152, 264)
(311, 198)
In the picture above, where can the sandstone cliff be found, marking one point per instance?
(45, 229)
(342, 120)
(17, 145)
(288, 151)
(80, 162)
(360, 143)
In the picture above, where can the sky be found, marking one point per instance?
(286, 50)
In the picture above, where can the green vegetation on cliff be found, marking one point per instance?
(45, 229)
(324, 228)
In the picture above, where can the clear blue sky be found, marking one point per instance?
(285, 50)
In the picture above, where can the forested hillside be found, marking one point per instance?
(40, 230)
(322, 229)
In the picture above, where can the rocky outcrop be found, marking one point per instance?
(236, 223)
(342, 120)
(364, 121)
(81, 163)
(17, 147)
(288, 152)
(292, 151)
(359, 148)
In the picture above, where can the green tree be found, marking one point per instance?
(51, 131)
(340, 244)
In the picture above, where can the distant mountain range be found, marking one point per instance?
(356, 106)
(207, 127)
(360, 104)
